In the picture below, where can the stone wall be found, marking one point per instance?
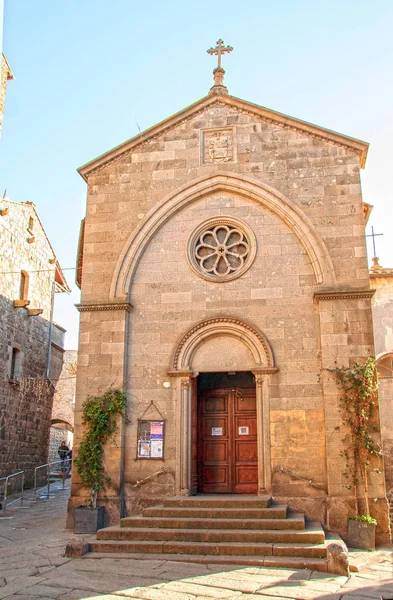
(306, 291)
(63, 405)
(275, 295)
(382, 281)
(26, 399)
(64, 398)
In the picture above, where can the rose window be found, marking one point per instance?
(221, 249)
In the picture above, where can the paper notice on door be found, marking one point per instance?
(216, 430)
(156, 448)
(243, 430)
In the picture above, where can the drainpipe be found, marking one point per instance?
(50, 329)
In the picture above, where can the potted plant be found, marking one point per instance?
(99, 416)
(359, 386)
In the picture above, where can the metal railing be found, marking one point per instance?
(7, 486)
(48, 475)
(142, 481)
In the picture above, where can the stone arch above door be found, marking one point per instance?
(236, 184)
(257, 351)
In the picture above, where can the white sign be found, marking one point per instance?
(243, 430)
(216, 430)
(156, 448)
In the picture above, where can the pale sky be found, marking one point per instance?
(88, 73)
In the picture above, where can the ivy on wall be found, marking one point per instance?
(359, 386)
(100, 417)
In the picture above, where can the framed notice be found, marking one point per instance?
(151, 435)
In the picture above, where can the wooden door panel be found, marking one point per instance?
(247, 475)
(246, 451)
(214, 451)
(216, 404)
(246, 480)
(213, 476)
(250, 422)
(244, 402)
(215, 423)
(228, 463)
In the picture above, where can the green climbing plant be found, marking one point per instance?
(358, 386)
(99, 416)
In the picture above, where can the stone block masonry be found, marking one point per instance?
(30, 275)
(154, 315)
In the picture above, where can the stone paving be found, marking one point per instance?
(32, 567)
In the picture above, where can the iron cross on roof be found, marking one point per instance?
(220, 49)
(373, 235)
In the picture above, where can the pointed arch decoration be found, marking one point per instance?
(236, 184)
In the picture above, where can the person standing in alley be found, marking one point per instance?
(63, 451)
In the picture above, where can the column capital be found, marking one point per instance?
(182, 373)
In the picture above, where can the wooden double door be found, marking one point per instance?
(227, 441)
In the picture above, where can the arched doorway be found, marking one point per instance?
(60, 430)
(236, 360)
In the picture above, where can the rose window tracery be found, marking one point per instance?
(221, 249)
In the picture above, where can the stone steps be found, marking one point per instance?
(287, 562)
(293, 522)
(210, 501)
(272, 512)
(256, 550)
(246, 530)
(311, 535)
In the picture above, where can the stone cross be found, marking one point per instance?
(220, 49)
(373, 235)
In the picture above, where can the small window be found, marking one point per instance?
(16, 363)
(24, 286)
(2, 428)
(31, 223)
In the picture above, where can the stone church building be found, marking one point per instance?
(223, 270)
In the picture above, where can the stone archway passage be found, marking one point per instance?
(62, 424)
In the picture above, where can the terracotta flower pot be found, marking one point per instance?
(361, 535)
(88, 520)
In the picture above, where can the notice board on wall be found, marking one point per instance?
(151, 436)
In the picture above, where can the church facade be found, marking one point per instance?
(223, 271)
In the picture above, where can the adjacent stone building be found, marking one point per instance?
(31, 344)
(382, 282)
(223, 270)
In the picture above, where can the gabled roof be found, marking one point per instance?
(9, 72)
(60, 280)
(265, 114)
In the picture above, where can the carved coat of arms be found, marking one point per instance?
(218, 147)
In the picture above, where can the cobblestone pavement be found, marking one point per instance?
(32, 567)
